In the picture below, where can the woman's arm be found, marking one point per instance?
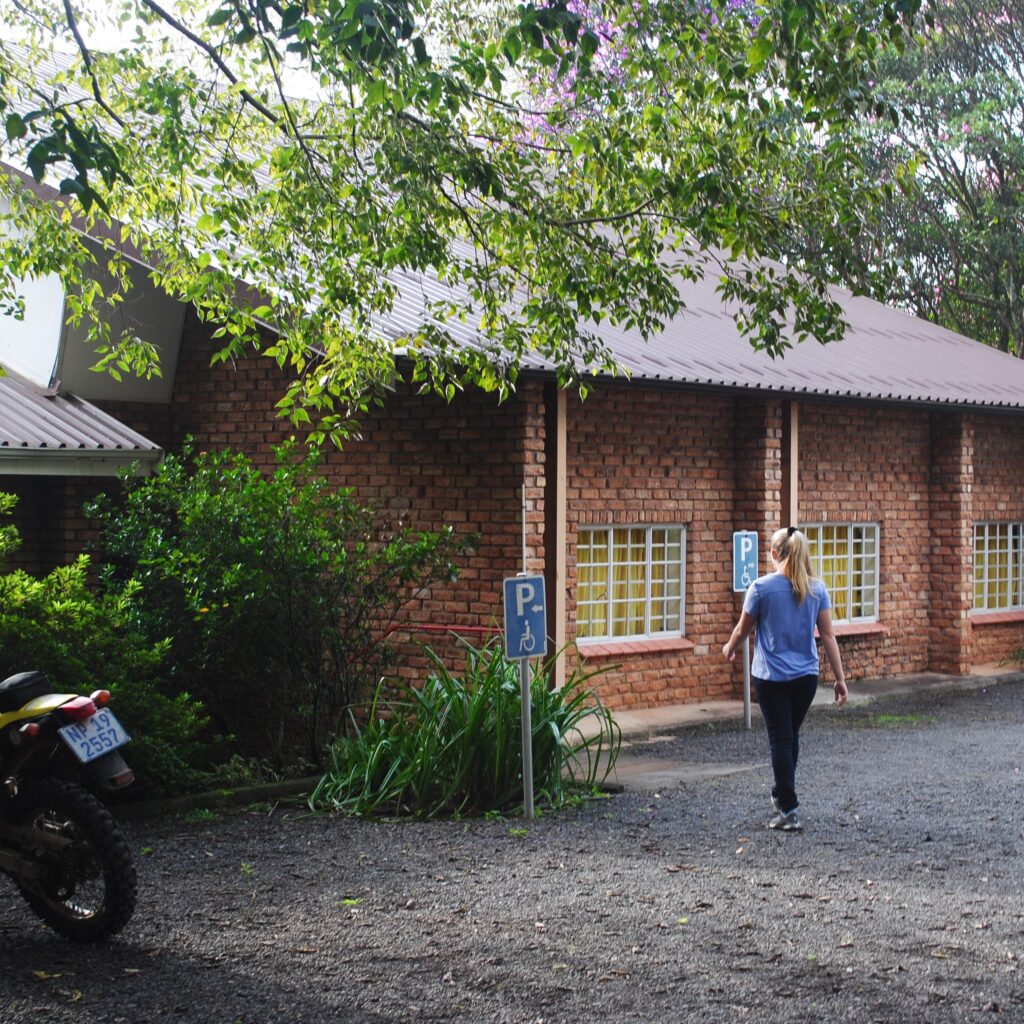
(743, 629)
(828, 638)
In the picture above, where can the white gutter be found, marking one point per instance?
(71, 462)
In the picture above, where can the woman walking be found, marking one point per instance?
(785, 607)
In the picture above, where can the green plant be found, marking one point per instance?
(200, 816)
(84, 642)
(238, 772)
(454, 745)
(275, 589)
(893, 721)
(1015, 657)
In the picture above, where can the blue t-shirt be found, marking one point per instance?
(784, 646)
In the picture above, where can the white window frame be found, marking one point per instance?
(648, 529)
(1015, 568)
(816, 562)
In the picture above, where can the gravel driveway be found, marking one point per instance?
(901, 902)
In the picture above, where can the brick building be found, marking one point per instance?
(900, 450)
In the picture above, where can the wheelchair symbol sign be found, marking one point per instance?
(525, 617)
(744, 559)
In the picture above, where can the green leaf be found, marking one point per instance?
(208, 224)
(221, 17)
(376, 93)
(758, 53)
(15, 126)
(589, 43)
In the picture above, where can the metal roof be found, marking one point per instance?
(33, 421)
(886, 354)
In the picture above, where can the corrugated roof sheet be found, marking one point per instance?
(32, 420)
(886, 354)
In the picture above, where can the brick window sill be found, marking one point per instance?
(620, 648)
(996, 618)
(858, 629)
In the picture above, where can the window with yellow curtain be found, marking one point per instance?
(845, 559)
(998, 566)
(629, 582)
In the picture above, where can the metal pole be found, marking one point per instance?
(524, 528)
(527, 720)
(746, 682)
(525, 702)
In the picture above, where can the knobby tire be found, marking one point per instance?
(98, 844)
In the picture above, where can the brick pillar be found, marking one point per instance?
(758, 483)
(951, 555)
(534, 468)
(758, 471)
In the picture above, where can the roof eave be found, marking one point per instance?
(69, 462)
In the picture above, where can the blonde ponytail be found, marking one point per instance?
(793, 555)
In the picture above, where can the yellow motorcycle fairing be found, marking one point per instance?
(36, 707)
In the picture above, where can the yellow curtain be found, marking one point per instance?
(617, 560)
(979, 567)
(836, 564)
(659, 572)
(1001, 566)
(592, 589)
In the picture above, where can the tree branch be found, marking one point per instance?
(211, 52)
(72, 21)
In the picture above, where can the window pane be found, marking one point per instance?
(629, 581)
(998, 566)
(844, 557)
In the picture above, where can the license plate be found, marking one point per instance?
(96, 736)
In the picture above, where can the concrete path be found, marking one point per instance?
(642, 727)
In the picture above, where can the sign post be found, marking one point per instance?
(744, 572)
(525, 638)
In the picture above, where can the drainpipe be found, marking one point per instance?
(555, 530)
(790, 464)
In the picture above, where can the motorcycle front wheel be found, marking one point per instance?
(86, 889)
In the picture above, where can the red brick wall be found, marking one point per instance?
(998, 497)
(711, 462)
(417, 458)
(950, 533)
(660, 457)
(50, 520)
(870, 464)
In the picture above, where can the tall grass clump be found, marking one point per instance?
(453, 746)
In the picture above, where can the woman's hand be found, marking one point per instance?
(840, 692)
(743, 630)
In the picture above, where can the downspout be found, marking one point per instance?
(790, 464)
(555, 512)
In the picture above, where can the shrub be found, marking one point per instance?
(85, 642)
(1015, 658)
(274, 590)
(455, 745)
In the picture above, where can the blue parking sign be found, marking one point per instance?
(744, 559)
(525, 617)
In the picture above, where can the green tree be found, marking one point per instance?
(954, 233)
(275, 592)
(518, 172)
(85, 642)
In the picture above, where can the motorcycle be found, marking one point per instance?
(58, 842)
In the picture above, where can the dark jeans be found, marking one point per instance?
(783, 707)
